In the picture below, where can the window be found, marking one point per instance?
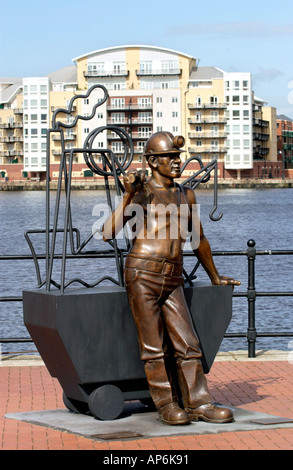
(86, 130)
(246, 114)
(227, 85)
(145, 116)
(246, 143)
(245, 84)
(236, 99)
(236, 84)
(118, 117)
(245, 99)
(34, 103)
(34, 147)
(159, 114)
(236, 129)
(34, 132)
(236, 114)
(43, 89)
(43, 118)
(144, 102)
(198, 128)
(86, 101)
(198, 101)
(215, 144)
(236, 144)
(174, 99)
(33, 89)
(34, 117)
(165, 85)
(145, 67)
(43, 103)
(174, 114)
(159, 99)
(175, 129)
(214, 100)
(198, 143)
(43, 132)
(118, 102)
(246, 129)
(215, 130)
(159, 128)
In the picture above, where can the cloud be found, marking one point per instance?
(248, 29)
(267, 75)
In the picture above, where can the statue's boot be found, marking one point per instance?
(163, 394)
(195, 395)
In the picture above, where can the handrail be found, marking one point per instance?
(251, 293)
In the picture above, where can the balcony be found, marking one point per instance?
(207, 106)
(130, 122)
(158, 72)
(130, 107)
(208, 120)
(13, 125)
(134, 136)
(260, 123)
(55, 108)
(11, 139)
(262, 137)
(107, 73)
(200, 150)
(66, 137)
(207, 135)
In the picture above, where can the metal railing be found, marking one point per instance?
(251, 294)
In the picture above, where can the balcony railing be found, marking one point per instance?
(207, 106)
(66, 137)
(129, 122)
(107, 73)
(130, 106)
(204, 149)
(207, 120)
(162, 72)
(207, 135)
(261, 123)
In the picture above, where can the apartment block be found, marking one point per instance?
(150, 89)
(285, 142)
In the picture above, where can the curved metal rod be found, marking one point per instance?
(56, 125)
(192, 182)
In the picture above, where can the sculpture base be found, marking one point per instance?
(87, 340)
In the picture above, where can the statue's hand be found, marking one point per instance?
(225, 281)
(134, 181)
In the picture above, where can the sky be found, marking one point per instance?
(256, 36)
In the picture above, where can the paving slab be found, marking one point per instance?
(137, 422)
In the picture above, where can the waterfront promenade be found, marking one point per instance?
(263, 384)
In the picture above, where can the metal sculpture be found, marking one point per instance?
(110, 168)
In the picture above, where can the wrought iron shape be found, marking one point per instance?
(109, 167)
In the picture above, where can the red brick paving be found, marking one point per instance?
(265, 387)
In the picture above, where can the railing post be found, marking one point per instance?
(251, 296)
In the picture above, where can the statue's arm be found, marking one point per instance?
(117, 219)
(203, 249)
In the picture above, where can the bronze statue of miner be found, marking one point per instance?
(169, 346)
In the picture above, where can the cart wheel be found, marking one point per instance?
(75, 405)
(106, 402)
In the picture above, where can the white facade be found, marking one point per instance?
(239, 127)
(35, 122)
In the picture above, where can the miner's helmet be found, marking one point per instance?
(162, 143)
